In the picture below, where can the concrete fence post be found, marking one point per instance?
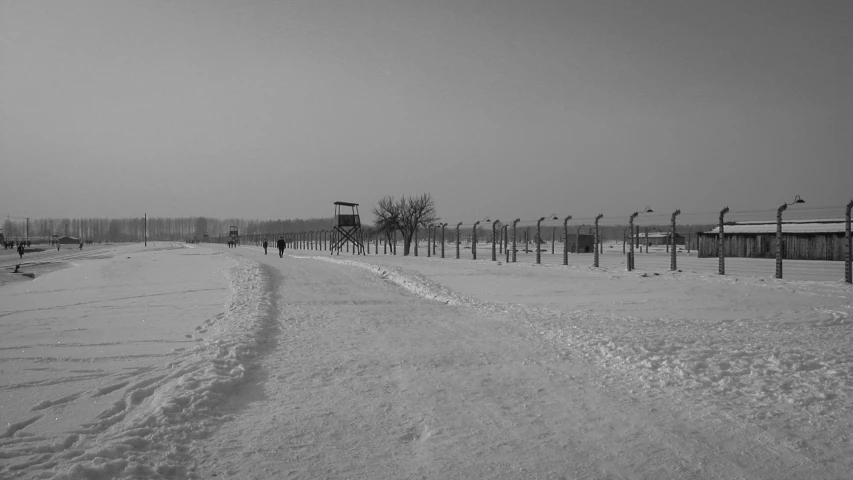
(505, 237)
(429, 238)
(538, 241)
(595, 245)
(779, 239)
(474, 240)
(514, 248)
(457, 239)
(631, 229)
(673, 262)
(566, 240)
(442, 239)
(848, 254)
(720, 243)
(494, 239)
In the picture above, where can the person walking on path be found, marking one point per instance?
(265, 246)
(21, 250)
(280, 245)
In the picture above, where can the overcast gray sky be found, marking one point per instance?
(275, 109)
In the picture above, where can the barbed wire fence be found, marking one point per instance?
(819, 248)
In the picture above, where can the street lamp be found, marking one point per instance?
(474, 236)
(566, 240)
(781, 209)
(631, 228)
(514, 249)
(539, 237)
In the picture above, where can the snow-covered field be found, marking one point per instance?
(174, 362)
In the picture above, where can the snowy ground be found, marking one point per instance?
(209, 362)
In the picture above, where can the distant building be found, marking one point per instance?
(583, 243)
(66, 240)
(661, 238)
(801, 240)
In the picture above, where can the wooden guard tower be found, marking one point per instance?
(233, 235)
(348, 229)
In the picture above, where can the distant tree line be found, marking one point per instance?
(159, 228)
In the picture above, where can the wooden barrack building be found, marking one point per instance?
(801, 240)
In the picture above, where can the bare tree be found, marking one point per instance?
(406, 215)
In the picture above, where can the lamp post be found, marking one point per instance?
(720, 242)
(631, 228)
(457, 239)
(494, 239)
(566, 240)
(595, 245)
(429, 231)
(514, 249)
(539, 238)
(474, 240)
(779, 211)
(474, 237)
(578, 238)
(673, 265)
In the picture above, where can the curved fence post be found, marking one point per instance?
(595, 245)
(538, 239)
(514, 248)
(631, 229)
(566, 240)
(779, 239)
(474, 240)
(720, 243)
(494, 239)
(457, 239)
(673, 262)
(848, 271)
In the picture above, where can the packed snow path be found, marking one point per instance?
(369, 380)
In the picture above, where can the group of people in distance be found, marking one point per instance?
(280, 244)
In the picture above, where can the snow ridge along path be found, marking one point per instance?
(156, 410)
(369, 381)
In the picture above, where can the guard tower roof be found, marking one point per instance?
(346, 204)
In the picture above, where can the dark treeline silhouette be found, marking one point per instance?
(159, 228)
